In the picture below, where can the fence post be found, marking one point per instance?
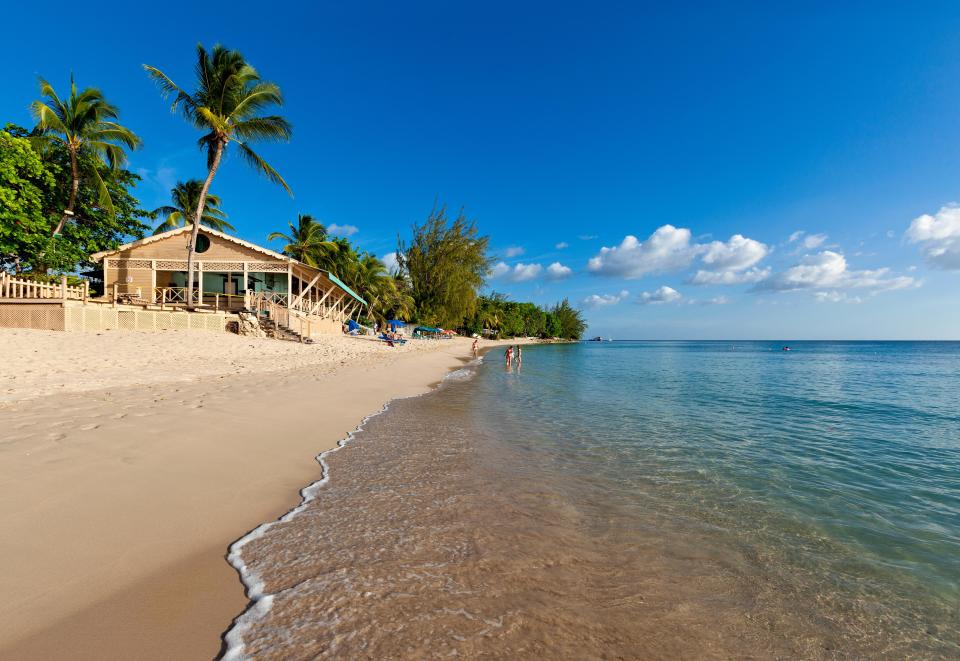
(86, 291)
(115, 295)
(63, 287)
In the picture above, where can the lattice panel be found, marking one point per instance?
(171, 265)
(268, 267)
(223, 266)
(131, 263)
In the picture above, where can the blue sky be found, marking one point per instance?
(711, 136)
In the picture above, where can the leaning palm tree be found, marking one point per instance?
(305, 241)
(226, 105)
(184, 197)
(83, 123)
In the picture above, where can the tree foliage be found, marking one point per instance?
(184, 198)
(95, 228)
(83, 124)
(24, 186)
(513, 319)
(446, 264)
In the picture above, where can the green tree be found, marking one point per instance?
(24, 185)
(446, 263)
(185, 196)
(83, 124)
(570, 320)
(306, 240)
(226, 104)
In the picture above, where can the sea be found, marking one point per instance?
(632, 500)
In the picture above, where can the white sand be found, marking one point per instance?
(130, 461)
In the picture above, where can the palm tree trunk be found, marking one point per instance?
(214, 164)
(74, 187)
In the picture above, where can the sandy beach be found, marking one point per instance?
(130, 461)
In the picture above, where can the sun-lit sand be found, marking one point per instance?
(130, 461)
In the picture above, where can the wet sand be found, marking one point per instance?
(118, 504)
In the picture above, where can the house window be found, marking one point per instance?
(203, 243)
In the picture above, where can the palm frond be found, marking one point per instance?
(255, 161)
(273, 128)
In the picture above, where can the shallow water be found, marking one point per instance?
(637, 500)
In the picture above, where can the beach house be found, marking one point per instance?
(231, 275)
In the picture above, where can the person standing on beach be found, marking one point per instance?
(509, 356)
(519, 355)
(475, 348)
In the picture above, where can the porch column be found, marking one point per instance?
(246, 268)
(199, 282)
(289, 285)
(153, 281)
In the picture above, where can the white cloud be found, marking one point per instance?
(718, 300)
(670, 249)
(796, 235)
(827, 270)
(835, 297)
(342, 230)
(729, 277)
(603, 300)
(661, 295)
(811, 241)
(558, 271)
(516, 273)
(667, 249)
(736, 254)
(514, 251)
(562, 245)
(390, 261)
(939, 237)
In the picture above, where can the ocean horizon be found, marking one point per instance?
(635, 499)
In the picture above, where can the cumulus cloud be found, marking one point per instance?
(342, 230)
(670, 249)
(729, 277)
(558, 271)
(736, 254)
(562, 245)
(603, 300)
(939, 237)
(517, 273)
(811, 241)
(390, 261)
(667, 249)
(514, 251)
(827, 271)
(661, 295)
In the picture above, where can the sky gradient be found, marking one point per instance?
(679, 173)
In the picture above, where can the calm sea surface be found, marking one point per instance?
(636, 500)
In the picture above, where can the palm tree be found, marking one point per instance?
(83, 123)
(370, 278)
(184, 197)
(306, 240)
(226, 105)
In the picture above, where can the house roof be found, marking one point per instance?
(97, 256)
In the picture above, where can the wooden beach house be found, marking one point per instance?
(231, 275)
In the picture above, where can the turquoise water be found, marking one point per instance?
(834, 469)
(636, 500)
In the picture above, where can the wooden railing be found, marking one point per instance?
(11, 287)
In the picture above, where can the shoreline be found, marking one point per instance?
(147, 578)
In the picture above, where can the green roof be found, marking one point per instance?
(342, 286)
